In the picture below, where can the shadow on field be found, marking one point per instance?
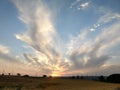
(45, 85)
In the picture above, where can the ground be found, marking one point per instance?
(26, 83)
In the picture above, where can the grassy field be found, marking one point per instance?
(21, 83)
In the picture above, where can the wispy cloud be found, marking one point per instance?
(80, 5)
(83, 5)
(5, 54)
(10, 63)
(107, 17)
(4, 49)
(88, 53)
(84, 54)
(40, 35)
(74, 3)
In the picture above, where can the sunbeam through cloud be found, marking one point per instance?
(60, 37)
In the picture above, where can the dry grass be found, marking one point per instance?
(20, 83)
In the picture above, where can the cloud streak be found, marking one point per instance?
(10, 63)
(4, 49)
(80, 5)
(41, 34)
(83, 5)
(88, 53)
(84, 53)
(108, 17)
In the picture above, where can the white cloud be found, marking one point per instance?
(40, 35)
(92, 29)
(88, 53)
(10, 62)
(80, 5)
(6, 54)
(4, 49)
(84, 5)
(84, 54)
(74, 3)
(107, 17)
(96, 25)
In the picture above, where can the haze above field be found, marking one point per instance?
(60, 37)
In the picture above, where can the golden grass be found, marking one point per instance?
(20, 83)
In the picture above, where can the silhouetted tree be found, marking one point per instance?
(9, 74)
(18, 74)
(114, 78)
(77, 76)
(81, 77)
(26, 75)
(101, 78)
(2, 74)
(44, 76)
(73, 77)
(50, 76)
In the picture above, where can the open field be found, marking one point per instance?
(22, 83)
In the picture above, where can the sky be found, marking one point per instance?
(60, 37)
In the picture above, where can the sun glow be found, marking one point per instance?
(55, 75)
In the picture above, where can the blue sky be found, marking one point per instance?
(60, 37)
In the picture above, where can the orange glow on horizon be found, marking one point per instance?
(54, 75)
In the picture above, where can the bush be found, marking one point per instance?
(81, 77)
(114, 78)
(25, 75)
(18, 74)
(73, 77)
(101, 78)
(44, 76)
(2, 74)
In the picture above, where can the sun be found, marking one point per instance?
(54, 74)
